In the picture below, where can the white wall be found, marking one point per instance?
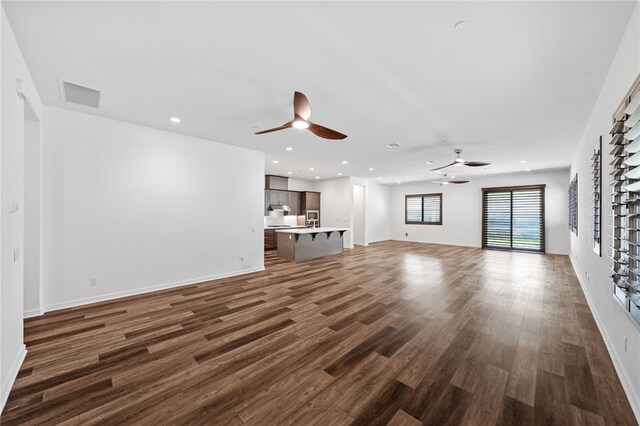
(336, 205)
(462, 210)
(12, 68)
(32, 218)
(611, 319)
(141, 209)
(378, 212)
(359, 217)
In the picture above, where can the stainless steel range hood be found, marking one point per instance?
(279, 208)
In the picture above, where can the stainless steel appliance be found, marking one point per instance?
(313, 217)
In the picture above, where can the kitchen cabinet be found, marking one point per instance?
(275, 197)
(270, 241)
(276, 182)
(294, 203)
(310, 201)
(283, 198)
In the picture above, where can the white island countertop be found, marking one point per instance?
(309, 230)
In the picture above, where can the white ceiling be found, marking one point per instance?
(516, 83)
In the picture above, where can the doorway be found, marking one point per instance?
(513, 218)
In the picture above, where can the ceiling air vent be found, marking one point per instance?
(80, 95)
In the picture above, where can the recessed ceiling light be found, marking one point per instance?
(275, 161)
(345, 162)
(527, 170)
(392, 145)
(399, 183)
(311, 168)
(431, 162)
(317, 177)
(371, 169)
(523, 161)
(379, 178)
(453, 177)
(437, 171)
(459, 25)
(174, 120)
(289, 148)
(445, 183)
(289, 173)
(339, 174)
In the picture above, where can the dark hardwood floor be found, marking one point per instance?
(396, 333)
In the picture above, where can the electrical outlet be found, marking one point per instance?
(93, 281)
(625, 343)
(586, 274)
(406, 234)
(16, 254)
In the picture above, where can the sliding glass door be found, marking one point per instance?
(513, 218)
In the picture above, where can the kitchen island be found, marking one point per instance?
(309, 243)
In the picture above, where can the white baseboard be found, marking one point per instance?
(11, 376)
(33, 313)
(617, 364)
(409, 240)
(118, 295)
(458, 245)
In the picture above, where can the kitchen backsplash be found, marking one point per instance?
(276, 218)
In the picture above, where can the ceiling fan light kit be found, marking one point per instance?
(301, 114)
(446, 181)
(459, 161)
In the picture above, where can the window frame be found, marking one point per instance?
(422, 196)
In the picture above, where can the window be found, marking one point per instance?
(513, 218)
(423, 209)
(624, 226)
(596, 173)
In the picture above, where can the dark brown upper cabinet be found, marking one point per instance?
(310, 201)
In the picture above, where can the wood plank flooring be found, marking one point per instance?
(395, 333)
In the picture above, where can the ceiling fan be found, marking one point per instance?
(301, 113)
(461, 162)
(446, 181)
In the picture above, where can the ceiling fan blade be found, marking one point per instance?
(476, 163)
(324, 132)
(301, 106)
(443, 167)
(275, 129)
(458, 182)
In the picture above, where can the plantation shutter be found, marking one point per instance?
(513, 218)
(423, 209)
(414, 209)
(497, 219)
(431, 209)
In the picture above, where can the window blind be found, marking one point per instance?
(513, 218)
(423, 209)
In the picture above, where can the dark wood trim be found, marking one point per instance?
(406, 198)
(511, 188)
